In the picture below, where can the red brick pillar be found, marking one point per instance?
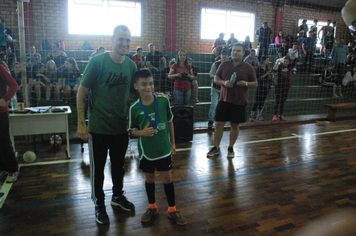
(278, 20)
(171, 20)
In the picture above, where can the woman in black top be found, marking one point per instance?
(264, 80)
(16, 74)
(39, 80)
(70, 78)
(57, 55)
(55, 81)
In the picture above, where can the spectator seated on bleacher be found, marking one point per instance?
(57, 55)
(32, 57)
(8, 56)
(55, 81)
(16, 74)
(350, 77)
(279, 39)
(99, 50)
(331, 78)
(252, 59)
(218, 45)
(86, 46)
(294, 53)
(154, 59)
(70, 78)
(39, 81)
(139, 58)
(167, 85)
(247, 46)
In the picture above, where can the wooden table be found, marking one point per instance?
(40, 123)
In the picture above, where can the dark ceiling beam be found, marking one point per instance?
(310, 4)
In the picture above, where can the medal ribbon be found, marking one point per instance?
(154, 124)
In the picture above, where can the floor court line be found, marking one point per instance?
(6, 190)
(191, 183)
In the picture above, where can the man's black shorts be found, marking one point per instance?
(226, 111)
(163, 164)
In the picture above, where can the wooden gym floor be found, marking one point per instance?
(283, 178)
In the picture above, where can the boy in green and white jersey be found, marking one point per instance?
(151, 120)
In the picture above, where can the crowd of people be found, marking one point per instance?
(290, 50)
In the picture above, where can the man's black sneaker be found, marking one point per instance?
(122, 202)
(213, 152)
(101, 216)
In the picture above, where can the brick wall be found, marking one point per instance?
(50, 21)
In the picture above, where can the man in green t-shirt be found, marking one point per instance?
(108, 76)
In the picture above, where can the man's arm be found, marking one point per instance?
(226, 83)
(171, 135)
(81, 99)
(164, 61)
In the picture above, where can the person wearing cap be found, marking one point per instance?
(314, 28)
(328, 43)
(154, 59)
(252, 59)
(218, 45)
(139, 58)
(309, 48)
(215, 89)
(264, 38)
(9, 35)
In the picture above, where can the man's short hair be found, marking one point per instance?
(265, 23)
(239, 44)
(316, 20)
(221, 34)
(3, 20)
(138, 49)
(253, 50)
(143, 73)
(286, 58)
(150, 44)
(305, 20)
(121, 27)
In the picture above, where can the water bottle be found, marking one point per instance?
(233, 77)
(14, 103)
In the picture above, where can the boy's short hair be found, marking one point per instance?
(142, 73)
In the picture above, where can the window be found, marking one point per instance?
(214, 22)
(100, 17)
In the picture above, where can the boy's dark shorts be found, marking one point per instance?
(226, 111)
(163, 164)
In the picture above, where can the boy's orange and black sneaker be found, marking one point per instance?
(180, 220)
(149, 214)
